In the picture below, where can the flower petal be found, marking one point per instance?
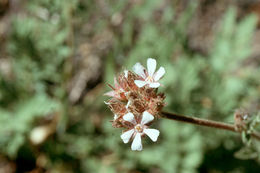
(147, 117)
(110, 93)
(126, 136)
(151, 66)
(139, 69)
(115, 116)
(152, 133)
(126, 73)
(154, 85)
(140, 83)
(137, 143)
(130, 118)
(116, 83)
(128, 103)
(159, 74)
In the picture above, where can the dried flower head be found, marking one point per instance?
(137, 104)
(241, 118)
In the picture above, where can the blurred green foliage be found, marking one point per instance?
(42, 47)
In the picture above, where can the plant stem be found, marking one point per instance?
(203, 122)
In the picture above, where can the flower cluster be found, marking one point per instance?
(136, 103)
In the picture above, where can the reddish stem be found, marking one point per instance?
(203, 122)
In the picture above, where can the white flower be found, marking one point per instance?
(138, 130)
(149, 76)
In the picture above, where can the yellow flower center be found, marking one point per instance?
(139, 128)
(149, 79)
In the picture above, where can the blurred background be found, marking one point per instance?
(56, 57)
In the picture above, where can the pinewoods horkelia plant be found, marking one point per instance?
(136, 103)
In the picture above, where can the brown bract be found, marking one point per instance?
(133, 99)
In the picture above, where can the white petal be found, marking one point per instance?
(137, 143)
(130, 118)
(140, 83)
(147, 117)
(139, 69)
(128, 103)
(151, 66)
(115, 116)
(110, 93)
(127, 135)
(126, 73)
(154, 85)
(152, 133)
(159, 74)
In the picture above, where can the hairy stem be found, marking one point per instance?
(203, 122)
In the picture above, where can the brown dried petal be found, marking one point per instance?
(117, 107)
